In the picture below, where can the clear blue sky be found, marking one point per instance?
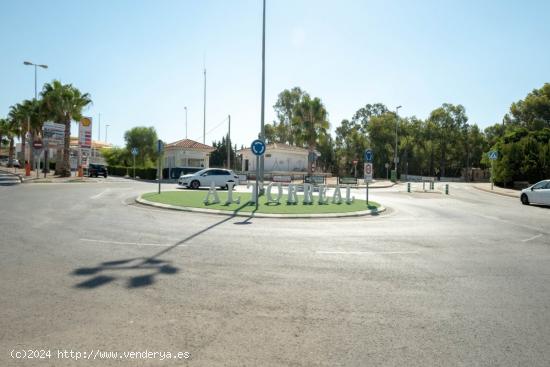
(142, 60)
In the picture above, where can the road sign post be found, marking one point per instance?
(160, 148)
(258, 149)
(37, 147)
(493, 155)
(367, 171)
(135, 152)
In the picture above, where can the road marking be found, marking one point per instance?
(532, 238)
(364, 252)
(99, 195)
(128, 243)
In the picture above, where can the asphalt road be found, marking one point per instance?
(458, 280)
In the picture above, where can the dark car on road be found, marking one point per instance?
(95, 170)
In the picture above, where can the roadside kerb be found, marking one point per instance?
(497, 192)
(376, 211)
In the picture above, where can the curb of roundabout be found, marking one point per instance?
(371, 212)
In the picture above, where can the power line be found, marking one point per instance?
(215, 127)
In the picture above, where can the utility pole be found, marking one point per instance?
(99, 128)
(204, 111)
(185, 121)
(228, 143)
(262, 127)
(106, 126)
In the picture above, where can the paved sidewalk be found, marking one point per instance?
(486, 186)
(50, 177)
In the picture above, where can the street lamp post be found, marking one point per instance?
(396, 126)
(28, 136)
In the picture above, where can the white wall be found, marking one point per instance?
(186, 158)
(278, 161)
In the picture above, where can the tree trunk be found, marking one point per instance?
(66, 164)
(442, 161)
(310, 162)
(11, 153)
(431, 168)
(23, 146)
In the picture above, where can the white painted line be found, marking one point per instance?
(532, 238)
(99, 195)
(128, 243)
(364, 252)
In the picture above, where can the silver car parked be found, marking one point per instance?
(538, 193)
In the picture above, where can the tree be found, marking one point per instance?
(3, 132)
(11, 129)
(533, 112)
(523, 140)
(327, 160)
(218, 158)
(449, 120)
(310, 123)
(116, 156)
(18, 116)
(381, 133)
(145, 139)
(523, 155)
(285, 108)
(64, 103)
(363, 115)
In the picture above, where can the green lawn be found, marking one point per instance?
(195, 199)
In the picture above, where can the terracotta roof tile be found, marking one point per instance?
(189, 144)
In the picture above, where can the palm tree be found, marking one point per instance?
(11, 129)
(64, 103)
(18, 121)
(3, 131)
(28, 116)
(311, 124)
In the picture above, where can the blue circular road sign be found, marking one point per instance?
(368, 155)
(257, 147)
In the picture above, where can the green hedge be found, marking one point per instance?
(144, 173)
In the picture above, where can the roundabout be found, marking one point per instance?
(193, 201)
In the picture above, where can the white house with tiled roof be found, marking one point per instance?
(187, 153)
(278, 158)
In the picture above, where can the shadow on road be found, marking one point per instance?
(151, 266)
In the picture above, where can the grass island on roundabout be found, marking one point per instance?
(292, 201)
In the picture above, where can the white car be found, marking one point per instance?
(539, 193)
(205, 177)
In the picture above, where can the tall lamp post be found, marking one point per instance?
(262, 127)
(396, 126)
(28, 135)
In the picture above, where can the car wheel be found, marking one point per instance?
(524, 199)
(195, 184)
(105, 176)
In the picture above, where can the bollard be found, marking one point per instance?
(408, 187)
(432, 185)
(446, 189)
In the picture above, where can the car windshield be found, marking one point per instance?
(201, 171)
